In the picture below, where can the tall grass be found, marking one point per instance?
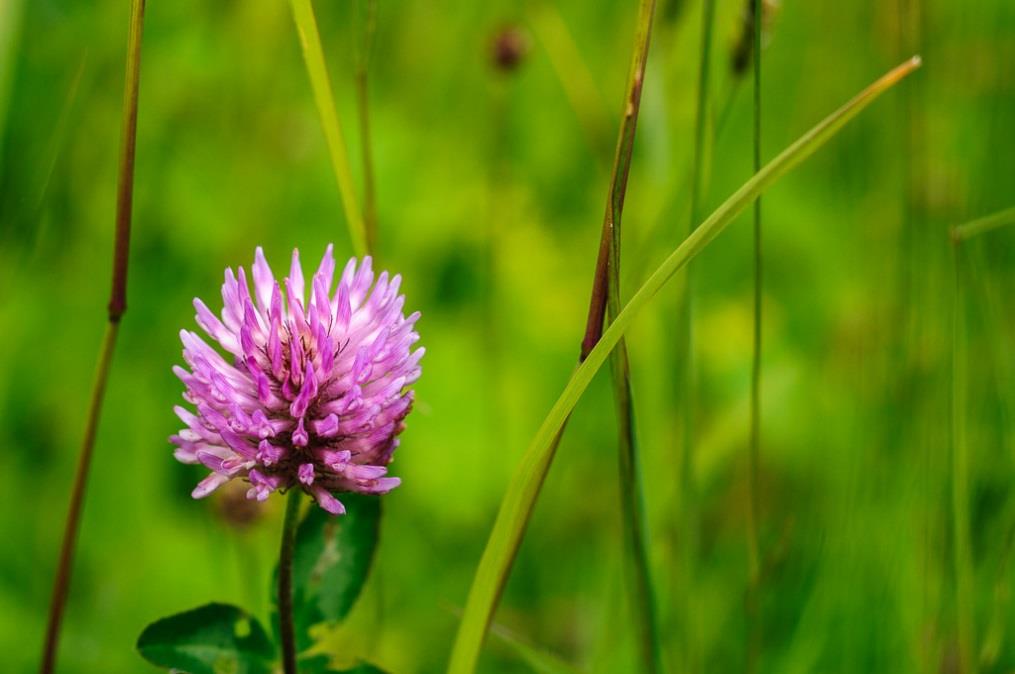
(523, 490)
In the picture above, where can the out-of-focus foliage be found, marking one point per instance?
(490, 192)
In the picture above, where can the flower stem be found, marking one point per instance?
(285, 582)
(117, 307)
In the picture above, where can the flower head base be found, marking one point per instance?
(317, 390)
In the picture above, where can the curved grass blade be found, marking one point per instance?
(523, 490)
(317, 71)
(982, 225)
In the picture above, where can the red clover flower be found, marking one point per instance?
(317, 390)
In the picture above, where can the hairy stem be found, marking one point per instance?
(285, 582)
(117, 307)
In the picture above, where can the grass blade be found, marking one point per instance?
(523, 490)
(317, 71)
(983, 225)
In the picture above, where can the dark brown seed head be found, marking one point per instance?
(509, 47)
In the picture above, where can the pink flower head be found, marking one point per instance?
(317, 388)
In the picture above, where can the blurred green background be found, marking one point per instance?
(491, 185)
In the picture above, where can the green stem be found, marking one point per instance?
(285, 582)
(754, 454)
(116, 309)
(687, 376)
(960, 481)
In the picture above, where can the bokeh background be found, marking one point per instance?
(491, 184)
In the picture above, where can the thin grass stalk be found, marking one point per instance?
(701, 121)
(606, 287)
(754, 636)
(363, 113)
(117, 307)
(675, 206)
(687, 504)
(961, 545)
(527, 481)
(317, 71)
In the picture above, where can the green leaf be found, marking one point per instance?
(211, 639)
(331, 562)
(523, 490)
(320, 664)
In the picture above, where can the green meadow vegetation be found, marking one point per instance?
(716, 299)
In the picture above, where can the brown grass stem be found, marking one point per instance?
(117, 307)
